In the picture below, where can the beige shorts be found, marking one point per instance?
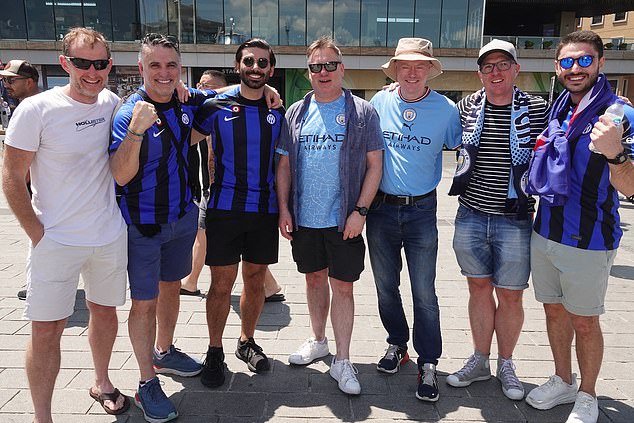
(574, 277)
(53, 271)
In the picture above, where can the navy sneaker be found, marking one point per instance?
(427, 383)
(251, 353)
(176, 362)
(156, 407)
(395, 355)
(213, 374)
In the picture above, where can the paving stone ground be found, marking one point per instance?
(302, 395)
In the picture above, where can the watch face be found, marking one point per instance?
(619, 159)
(363, 211)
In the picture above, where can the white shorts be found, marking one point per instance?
(53, 269)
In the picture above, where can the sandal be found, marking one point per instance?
(114, 396)
(195, 293)
(274, 298)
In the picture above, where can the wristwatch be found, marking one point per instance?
(363, 211)
(619, 159)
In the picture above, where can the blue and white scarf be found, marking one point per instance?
(519, 143)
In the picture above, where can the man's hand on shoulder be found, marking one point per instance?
(273, 99)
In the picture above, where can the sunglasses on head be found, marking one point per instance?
(329, 66)
(250, 61)
(154, 38)
(583, 61)
(9, 80)
(84, 64)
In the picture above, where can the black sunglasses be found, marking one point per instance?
(9, 80)
(84, 64)
(583, 61)
(250, 61)
(329, 66)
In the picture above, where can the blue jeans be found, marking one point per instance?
(412, 227)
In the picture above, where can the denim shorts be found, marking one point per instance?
(166, 256)
(493, 246)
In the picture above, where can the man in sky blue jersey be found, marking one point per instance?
(493, 223)
(328, 173)
(577, 231)
(416, 123)
(241, 221)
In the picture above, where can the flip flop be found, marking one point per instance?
(101, 399)
(195, 293)
(275, 298)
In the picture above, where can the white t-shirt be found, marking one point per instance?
(73, 188)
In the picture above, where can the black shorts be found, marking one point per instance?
(317, 249)
(232, 235)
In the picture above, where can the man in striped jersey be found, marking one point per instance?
(577, 233)
(241, 221)
(416, 123)
(493, 223)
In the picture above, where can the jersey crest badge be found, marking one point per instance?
(409, 114)
(341, 119)
(185, 118)
(270, 118)
(463, 162)
(587, 129)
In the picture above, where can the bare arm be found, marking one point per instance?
(124, 162)
(374, 171)
(283, 187)
(15, 168)
(211, 163)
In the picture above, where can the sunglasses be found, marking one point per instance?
(502, 66)
(329, 66)
(583, 61)
(250, 61)
(9, 80)
(84, 64)
(154, 38)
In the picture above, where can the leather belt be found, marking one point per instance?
(401, 200)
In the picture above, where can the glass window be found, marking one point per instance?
(126, 25)
(265, 20)
(12, 24)
(320, 22)
(373, 23)
(173, 24)
(237, 21)
(347, 22)
(292, 23)
(67, 16)
(474, 25)
(153, 14)
(620, 17)
(597, 20)
(186, 21)
(39, 16)
(454, 23)
(400, 21)
(427, 23)
(97, 16)
(209, 26)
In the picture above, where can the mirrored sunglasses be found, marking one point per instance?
(583, 61)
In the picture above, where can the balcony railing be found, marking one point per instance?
(547, 43)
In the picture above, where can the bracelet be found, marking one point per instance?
(134, 133)
(131, 138)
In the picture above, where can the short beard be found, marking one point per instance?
(253, 84)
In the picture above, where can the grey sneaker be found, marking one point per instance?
(552, 393)
(511, 385)
(476, 368)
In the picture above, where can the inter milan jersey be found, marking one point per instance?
(244, 136)
(160, 192)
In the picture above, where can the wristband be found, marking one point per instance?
(134, 133)
(131, 138)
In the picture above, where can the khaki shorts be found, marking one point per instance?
(53, 271)
(574, 277)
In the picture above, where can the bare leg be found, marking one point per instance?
(509, 319)
(167, 313)
(219, 301)
(142, 331)
(589, 345)
(42, 365)
(270, 284)
(560, 334)
(342, 315)
(318, 300)
(102, 332)
(252, 298)
(481, 313)
(190, 283)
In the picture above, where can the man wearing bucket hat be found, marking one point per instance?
(493, 224)
(416, 122)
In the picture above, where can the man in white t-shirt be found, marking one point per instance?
(73, 221)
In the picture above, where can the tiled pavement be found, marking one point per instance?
(302, 395)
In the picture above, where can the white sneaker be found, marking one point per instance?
(309, 351)
(552, 393)
(586, 409)
(346, 375)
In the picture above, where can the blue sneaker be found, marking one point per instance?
(177, 363)
(156, 407)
